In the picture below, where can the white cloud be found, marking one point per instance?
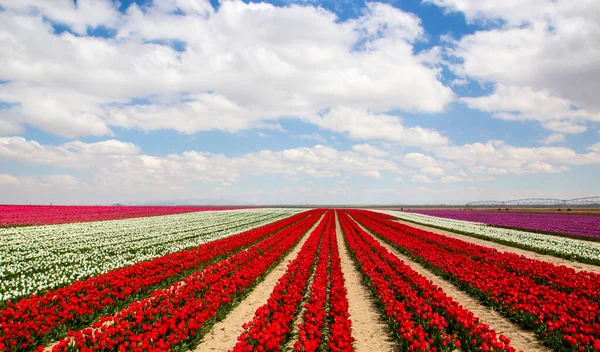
(112, 170)
(553, 138)
(371, 174)
(525, 103)
(513, 11)
(421, 179)
(459, 82)
(243, 64)
(63, 112)
(595, 148)
(370, 150)
(420, 160)
(57, 180)
(433, 171)
(387, 21)
(497, 158)
(73, 154)
(123, 163)
(313, 137)
(8, 180)
(454, 178)
(550, 46)
(427, 164)
(365, 125)
(9, 128)
(77, 15)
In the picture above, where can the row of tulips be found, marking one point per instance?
(586, 284)
(340, 339)
(38, 320)
(326, 324)
(311, 330)
(564, 321)
(270, 328)
(421, 315)
(176, 318)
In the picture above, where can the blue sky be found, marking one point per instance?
(293, 102)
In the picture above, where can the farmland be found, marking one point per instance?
(276, 279)
(15, 215)
(575, 225)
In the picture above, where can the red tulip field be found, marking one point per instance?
(275, 279)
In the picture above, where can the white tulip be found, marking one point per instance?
(39, 258)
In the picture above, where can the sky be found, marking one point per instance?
(296, 102)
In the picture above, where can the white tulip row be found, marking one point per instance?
(39, 258)
(565, 247)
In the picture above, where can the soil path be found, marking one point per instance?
(370, 331)
(223, 335)
(503, 248)
(522, 340)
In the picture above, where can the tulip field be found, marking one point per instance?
(15, 215)
(567, 247)
(290, 279)
(577, 226)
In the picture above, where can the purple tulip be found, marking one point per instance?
(573, 225)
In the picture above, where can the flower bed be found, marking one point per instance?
(565, 321)
(574, 225)
(18, 215)
(176, 318)
(419, 313)
(40, 319)
(560, 277)
(270, 328)
(583, 251)
(40, 258)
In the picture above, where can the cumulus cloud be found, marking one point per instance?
(79, 15)
(366, 125)
(6, 179)
(427, 164)
(370, 150)
(114, 161)
(113, 167)
(524, 103)
(9, 127)
(73, 154)
(243, 64)
(553, 138)
(63, 181)
(64, 112)
(312, 137)
(549, 47)
(421, 179)
(497, 158)
(481, 10)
